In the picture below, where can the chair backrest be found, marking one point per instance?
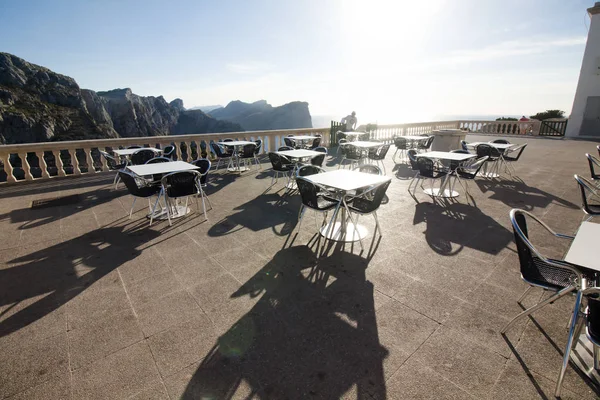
(169, 151)
(400, 143)
(110, 160)
(590, 198)
(593, 161)
(218, 150)
(342, 146)
(460, 151)
(181, 184)
(258, 147)
(131, 183)
(425, 143)
(157, 160)
(370, 200)
(487, 150)
(316, 143)
(289, 142)
(412, 157)
(369, 169)
(535, 268)
(279, 162)
(507, 154)
(318, 160)
(285, 148)
(203, 165)
(309, 192)
(426, 167)
(598, 148)
(593, 318)
(380, 152)
(321, 149)
(142, 156)
(500, 141)
(306, 170)
(248, 150)
(464, 146)
(352, 152)
(134, 147)
(470, 171)
(227, 140)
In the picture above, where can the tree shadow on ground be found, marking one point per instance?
(463, 225)
(312, 334)
(517, 194)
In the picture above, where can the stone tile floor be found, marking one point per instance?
(94, 305)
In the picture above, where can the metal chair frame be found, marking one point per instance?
(588, 189)
(140, 183)
(199, 191)
(108, 158)
(323, 192)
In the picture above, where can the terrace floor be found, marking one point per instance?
(94, 305)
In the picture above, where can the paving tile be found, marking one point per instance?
(153, 288)
(165, 312)
(156, 391)
(471, 367)
(103, 336)
(120, 375)
(32, 364)
(59, 389)
(182, 345)
(196, 270)
(142, 265)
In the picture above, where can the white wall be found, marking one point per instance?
(589, 76)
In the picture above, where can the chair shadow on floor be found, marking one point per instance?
(454, 226)
(403, 171)
(51, 277)
(517, 194)
(312, 334)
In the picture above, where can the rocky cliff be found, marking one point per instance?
(38, 105)
(260, 115)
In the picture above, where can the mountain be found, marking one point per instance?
(38, 105)
(206, 109)
(260, 115)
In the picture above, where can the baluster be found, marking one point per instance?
(43, 165)
(5, 157)
(178, 150)
(74, 161)
(190, 157)
(89, 160)
(59, 163)
(26, 167)
(103, 160)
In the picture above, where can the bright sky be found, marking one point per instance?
(390, 61)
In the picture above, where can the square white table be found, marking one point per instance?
(296, 157)
(128, 152)
(364, 144)
(165, 168)
(344, 181)
(445, 155)
(583, 250)
(237, 144)
(502, 147)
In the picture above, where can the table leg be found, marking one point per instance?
(343, 231)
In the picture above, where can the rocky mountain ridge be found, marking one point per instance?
(260, 115)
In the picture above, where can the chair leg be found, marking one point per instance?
(554, 297)
(524, 294)
(377, 227)
(154, 209)
(300, 215)
(132, 205)
(394, 156)
(168, 203)
(569, 347)
(355, 229)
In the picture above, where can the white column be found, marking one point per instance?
(589, 80)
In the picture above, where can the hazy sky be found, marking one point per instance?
(391, 61)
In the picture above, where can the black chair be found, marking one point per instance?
(500, 141)
(289, 142)
(307, 170)
(427, 170)
(425, 144)
(469, 172)
(509, 160)
(257, 151)
(203, 165)
(590, 198)
(247, 153)
(157, 177)
(138, 187)
(593, 162)
(378, 154)
(493, 155)
(281, 165)
(341, 147)
(316, 198)
(558, 276)
(352, 154)
(135, 147)
(169, 152)
(113, 165)
(401, 146)
(598, 148)
(142, 156)
(369, 169)
(321, 149)
(181, 184)
(285, 148)
(318, 160)
(464, 145)
(228, 149)
(221, 154)
(316, 143)
(366, 202)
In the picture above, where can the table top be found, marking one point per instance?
(303, 137)
(503, 146)
(583, 250)
(161, 168)
(346, 180)
(414, 137)
(299, 153)
(364, 144)
(354, 133)
(128, 152)
(446, 155)
(236, 143)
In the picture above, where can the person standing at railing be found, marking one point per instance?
(350, 121)
(524, 127)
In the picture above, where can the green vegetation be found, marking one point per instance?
(506, 119)
(548, 114)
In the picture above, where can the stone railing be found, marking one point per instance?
(387, 132)
(502, 127)
(35, 161)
